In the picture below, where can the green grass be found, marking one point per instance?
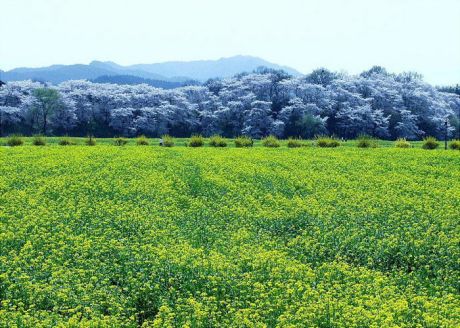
(306, 237)
(181, 142)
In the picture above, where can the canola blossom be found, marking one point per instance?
(110, 236)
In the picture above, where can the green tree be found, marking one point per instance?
(47, 101)
(310, 125)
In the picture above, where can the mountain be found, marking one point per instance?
(205, 69)
(177, 71)
(60, 73)
(54, 74)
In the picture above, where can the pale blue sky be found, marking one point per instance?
(349, 35)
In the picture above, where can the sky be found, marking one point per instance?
(341, 35)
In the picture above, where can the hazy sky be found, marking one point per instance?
(349, 35)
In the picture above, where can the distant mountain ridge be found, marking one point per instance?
(205, 69)
(175, 71)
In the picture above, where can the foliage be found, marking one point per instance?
(455, 144)
(265, 102)
(217, 141)
(294, 143)
(50, 106)
(365, 141)
(196, 141)
(39, 140)
(327, 142)
(66, 141)
(119, 141)
(311, 125)
(402, 143)
(142, 141)
(98, 237)
(10, 116)
(243, 141)
(14, 140)
(90, 141)
(430, 143)
(168, 141)
(270, 141)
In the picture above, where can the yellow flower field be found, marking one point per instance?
(109, 236)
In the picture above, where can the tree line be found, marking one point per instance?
(264, 102)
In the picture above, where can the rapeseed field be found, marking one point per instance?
(108, 236)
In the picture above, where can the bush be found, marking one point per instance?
(166, 141)
(402, 143)
(120, 141)
(455, 144)
(196, 141)
(365, 141)
(243, 141)
(217, 141)
(142, 141)
(38, 140)
(66, 141)
(294, 143)
(430, 143)
(327, 142)
(271, 141)
(15, 140)
(90, 141)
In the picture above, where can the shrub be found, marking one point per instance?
(244, 141)
(15, 140)
(142, 141)
(196, 141)
(38, 140)
(327, 142)
(217, 141)
(90, 141)
(271, 141)
(365, 141)
(402, 143)
(66, 141)
(455, 144)
(430, 143)
(294, 143)
(322, 142)
(167, 141)
(334, 143)
(120, 141)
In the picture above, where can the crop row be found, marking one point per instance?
(218, 141)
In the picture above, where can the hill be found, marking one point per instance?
(177, 71)
(206, 69)
(174, 72)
